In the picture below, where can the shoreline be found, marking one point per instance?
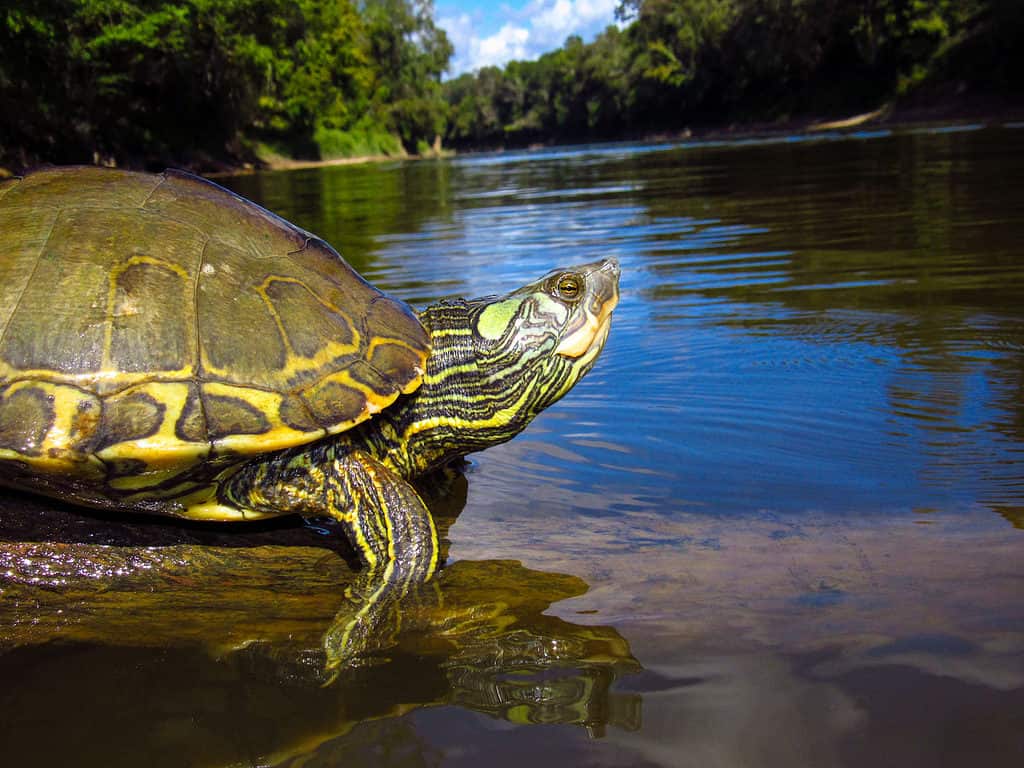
(887, 116)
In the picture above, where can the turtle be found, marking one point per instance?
(169, 347)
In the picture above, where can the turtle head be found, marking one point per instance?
(534, 344)
(497, 362)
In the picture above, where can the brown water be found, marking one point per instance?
(780, 524)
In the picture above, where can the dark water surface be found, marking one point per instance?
(780, 524)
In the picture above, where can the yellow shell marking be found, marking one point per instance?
(163, 449)
(205, 508)
(414, 382)
(375, 402)
(331, 349)
(75, 420)
(277, 437)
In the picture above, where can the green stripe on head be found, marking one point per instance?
(492, 322)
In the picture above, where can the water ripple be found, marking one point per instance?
(814, 323)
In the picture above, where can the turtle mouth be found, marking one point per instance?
(597, 343)
(590, 336)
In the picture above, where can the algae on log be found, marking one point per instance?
(220, 599)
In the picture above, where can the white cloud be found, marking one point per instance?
(460, 32)
(507, 44)
(533, 29)
(555, 20)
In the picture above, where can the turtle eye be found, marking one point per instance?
(568, 286)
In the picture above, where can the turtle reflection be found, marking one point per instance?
(199, 654)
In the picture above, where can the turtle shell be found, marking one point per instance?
(148, 322)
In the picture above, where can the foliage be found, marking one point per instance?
(361, 140)
(671, 63)
(411, 54)
(152, 81)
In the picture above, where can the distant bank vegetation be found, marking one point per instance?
(147, 82)
(202, 82)
(708, 63)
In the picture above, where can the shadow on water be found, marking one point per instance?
(166, 651)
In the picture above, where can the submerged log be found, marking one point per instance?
(208, 654)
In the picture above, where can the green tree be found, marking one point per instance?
(156, 81)
(37, 71)
(411, 54)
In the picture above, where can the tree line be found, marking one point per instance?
(675, 63)
(196, 82)
(150, 81)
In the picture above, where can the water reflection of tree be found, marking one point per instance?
(353, 206)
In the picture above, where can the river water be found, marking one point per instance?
(781, 522)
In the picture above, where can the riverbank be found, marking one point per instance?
(885, 117)
(990, 111)
(987, 111)
(909, 114)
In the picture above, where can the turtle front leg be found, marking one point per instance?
(393, 531)
(384, 518)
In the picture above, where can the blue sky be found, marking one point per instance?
(496, 31)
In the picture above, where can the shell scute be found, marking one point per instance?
(239, 341)
(135, 415)
(141, 422)
(224, 216)
(26, 416)
(308, 324)
(148, 331)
